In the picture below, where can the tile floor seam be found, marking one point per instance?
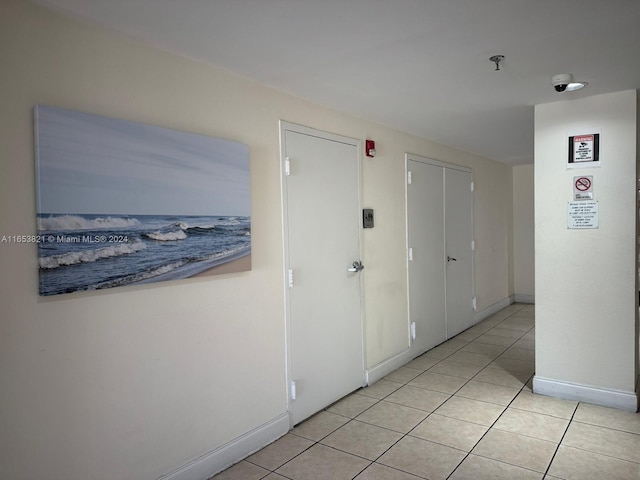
(427, 370)
(442, 444)
(555, 452)
(367, 423)
(540, 413)
(416, 408)
(283, 476)
(378, 400)
(309, 448)
(393, 445)
(283, 464)
(348, 453)
(391, 430)
(485, 401)
(399, 470)
(322, 438)
(503, 462)
(317, 442)
(602, 454)
(361, 471)
(485, 434)
(399, 440)
(527, 436)
(607, 427)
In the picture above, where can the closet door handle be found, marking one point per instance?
(451, 259)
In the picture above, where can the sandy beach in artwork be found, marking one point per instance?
(241, 264)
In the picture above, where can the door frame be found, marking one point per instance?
(430, 161)
(285, 126)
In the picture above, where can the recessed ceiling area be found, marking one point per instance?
(418, 66)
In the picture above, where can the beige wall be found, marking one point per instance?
(523, 233)
(586, 293)
(135, 382)
(493, 232)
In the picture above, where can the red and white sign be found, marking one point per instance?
(583, 187)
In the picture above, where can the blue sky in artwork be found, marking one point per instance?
(92, 164)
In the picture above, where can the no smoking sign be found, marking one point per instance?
(583, 187)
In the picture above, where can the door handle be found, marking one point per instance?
(356, 267)
(451, 259)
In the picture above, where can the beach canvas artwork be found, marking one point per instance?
(124, 203)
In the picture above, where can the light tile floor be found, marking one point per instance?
(463, 410)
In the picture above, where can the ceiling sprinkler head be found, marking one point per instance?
(497, 59)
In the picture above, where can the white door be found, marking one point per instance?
(322, 241)
(440, 257)
(425, 212)
(458, 235)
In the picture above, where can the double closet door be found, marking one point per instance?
(440, 250)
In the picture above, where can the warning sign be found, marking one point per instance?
(584, 150)
(582, 214)
(583, 188)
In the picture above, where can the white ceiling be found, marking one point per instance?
(420, 66)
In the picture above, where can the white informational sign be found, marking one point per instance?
(584, 149)
(583, 187)
(582, 214)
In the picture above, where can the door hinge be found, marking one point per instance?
(473, 245)
(409, 177)
(287, 166)
(473, 186)
(411, 254)
(413, 331)
(290, 278)
(292, 389)
(473, 303)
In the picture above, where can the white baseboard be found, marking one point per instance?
(496, 307)
(209, 464)
(385, 367)
(525, 298)
(586, 393)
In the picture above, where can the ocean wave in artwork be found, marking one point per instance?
(167, 236)
(77, 222)
(86, 256)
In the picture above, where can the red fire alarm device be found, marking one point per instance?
(370, 148)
